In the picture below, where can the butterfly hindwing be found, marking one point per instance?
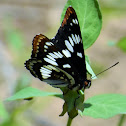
(43, 63)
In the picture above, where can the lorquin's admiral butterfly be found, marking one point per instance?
(60, 61)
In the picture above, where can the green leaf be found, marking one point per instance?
(31, 92)
(74, 101)
(3, 112)
(89, 69)
(105, 106)
(90, 19)
(87, 59)
(122, 44)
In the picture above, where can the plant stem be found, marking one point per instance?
(121, 121)
(69, 121)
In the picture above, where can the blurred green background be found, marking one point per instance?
(20, 21)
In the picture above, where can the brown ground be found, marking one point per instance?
(33, 18)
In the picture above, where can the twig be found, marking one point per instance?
(69, 121)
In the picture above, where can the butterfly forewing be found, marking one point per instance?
(60, 61)
(69, 41)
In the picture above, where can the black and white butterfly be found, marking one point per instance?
(60, 61)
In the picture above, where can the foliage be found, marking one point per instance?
(122, 44)
(28, 93)
(100, 106)
(105, 106)
(3, 113)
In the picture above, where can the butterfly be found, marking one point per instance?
(60, 61)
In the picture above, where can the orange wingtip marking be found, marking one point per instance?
(69, 11)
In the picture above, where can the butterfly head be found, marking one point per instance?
(84, 84)
(87, 84)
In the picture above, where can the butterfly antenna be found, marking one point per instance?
(105, 70)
